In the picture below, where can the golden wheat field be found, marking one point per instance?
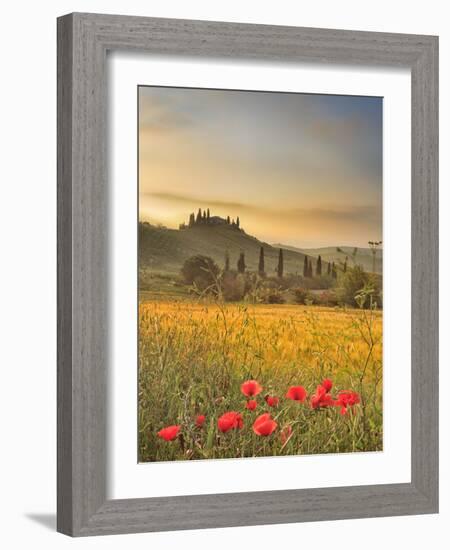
(195, 357)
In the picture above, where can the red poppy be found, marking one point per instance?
(272, 401)
(296, 393)
(286, 433)
(251, 405)
(200, 420)
(321, 398)
(229, 421)
(264, 425)
(251, 388)
(170, 433)
(346, 399)
(327, 384)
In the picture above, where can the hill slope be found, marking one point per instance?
(363, 256)
(165, 250)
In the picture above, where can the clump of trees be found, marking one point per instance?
(203, 217)
(200, 271)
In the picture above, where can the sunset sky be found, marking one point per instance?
(298, 169)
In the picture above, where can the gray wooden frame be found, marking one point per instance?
(83, 41)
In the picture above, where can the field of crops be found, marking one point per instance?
(195, 360)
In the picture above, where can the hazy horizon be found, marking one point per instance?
(298, 169)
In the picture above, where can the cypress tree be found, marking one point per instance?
(261, 262)
(310, 269)
(333, 271)
(204, 216)
(305, 267)
(199, 216)
(228, 220)
(280, 263)
(227, 261)
(237, 222)
(319, 267)
(191, 219)
(241, 263)
(207, 216)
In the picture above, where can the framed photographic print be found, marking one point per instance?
(247, 274)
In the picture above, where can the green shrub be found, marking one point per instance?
(303, 296)
(359, 288)
(201, 270)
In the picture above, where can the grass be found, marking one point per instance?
(161, 286)
(193, 358)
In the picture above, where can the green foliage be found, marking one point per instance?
(305, 267)
(353, 256)
(319, 266)
(273, 297)
(241, 263)
(333, 271)
(233, 286)
(358, 286)
(280, 266)
(200, 270)
(227, 261)
(303, 296)
(162, 251)
(261, 269)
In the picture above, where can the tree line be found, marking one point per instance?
(203, 217)
(238, 283)
(308, 269)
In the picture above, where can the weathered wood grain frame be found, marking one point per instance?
(83, 42)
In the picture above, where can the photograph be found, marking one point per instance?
(260, 274)
(221, 262)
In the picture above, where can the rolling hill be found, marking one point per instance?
(165, 250)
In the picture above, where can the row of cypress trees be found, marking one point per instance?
(331, 268)
(307, 265)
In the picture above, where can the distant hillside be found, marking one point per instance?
(363, 256)
(165, 250)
